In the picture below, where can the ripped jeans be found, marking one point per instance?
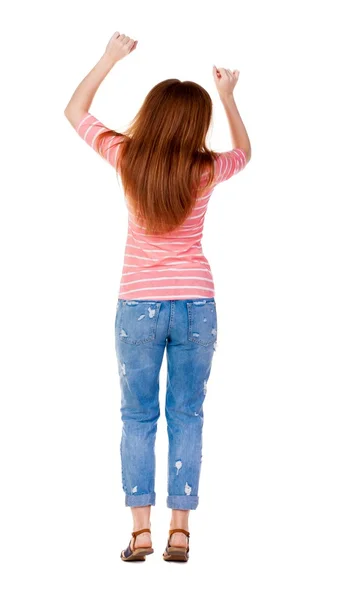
(143, 329)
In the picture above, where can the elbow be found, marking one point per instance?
(70, 109)
(67, 110)
(248, 154)
(71, 114)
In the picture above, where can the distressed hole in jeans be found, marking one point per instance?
(123, 367)
(187, 489)
(178, 465)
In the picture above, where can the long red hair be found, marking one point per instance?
(163, 155)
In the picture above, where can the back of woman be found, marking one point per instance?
(166, 300)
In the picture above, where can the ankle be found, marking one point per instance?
(174, 526)
(179, 519)
(138, 526)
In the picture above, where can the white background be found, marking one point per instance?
(267, 525)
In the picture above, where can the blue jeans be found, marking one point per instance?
(143, 329)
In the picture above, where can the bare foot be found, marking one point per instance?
(179, 539)
(143, 540)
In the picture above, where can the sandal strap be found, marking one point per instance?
(135, 533)
(171, 531)
(179, 530)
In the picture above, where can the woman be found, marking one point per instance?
(166, 297)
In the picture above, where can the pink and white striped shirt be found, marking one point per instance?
(169, 266)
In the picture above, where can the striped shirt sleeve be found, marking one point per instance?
(228, 164)
(89, 128)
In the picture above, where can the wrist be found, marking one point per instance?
(227, 98)
(109, 60)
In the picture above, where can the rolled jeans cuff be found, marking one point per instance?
(140, 499)
(182, 502)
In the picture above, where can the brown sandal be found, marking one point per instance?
(177, 553)
(136, 553)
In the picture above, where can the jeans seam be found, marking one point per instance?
(172, 311)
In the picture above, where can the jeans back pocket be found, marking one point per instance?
(137, 321)
(202, 322)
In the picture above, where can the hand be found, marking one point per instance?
(119, 46)
(225, 80)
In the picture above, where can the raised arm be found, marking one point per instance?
(81, 99)
(117, 48)
(239, 136)
(225, 82)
